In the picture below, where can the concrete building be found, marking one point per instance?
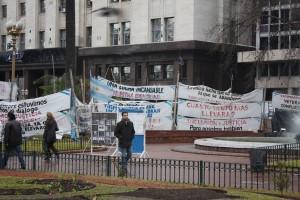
(146, 44)
(276, 59)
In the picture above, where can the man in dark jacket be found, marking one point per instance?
(124, 131)
(13, 139)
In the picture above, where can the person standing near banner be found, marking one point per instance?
(49, 136)
(13, 139)
(124, 131)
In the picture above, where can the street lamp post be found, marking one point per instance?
(14, 30)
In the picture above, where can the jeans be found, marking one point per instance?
(47, 148)
(18, 151)
(125, 156)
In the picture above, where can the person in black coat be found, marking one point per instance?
(13, 139)
(49, 136)
(124, 131)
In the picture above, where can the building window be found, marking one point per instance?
(125, 73)
(274, 42)
(114, 1)
(42, 6)
(156, 30)
(169, 29)
(3, 42)
(89, 4)
(273, 68)
(169, 72)
(295, 69)
(156, 72)
(295, 41)
(22, 9)
(284, 42)
(126, 32)
(284, 69)
(161, 72)
(89, 36)
(115, 28)
(63, 43)
(62, 6)
(4, 11)
(264, 43)
(42, 39)
(22, 41)
(264, 70)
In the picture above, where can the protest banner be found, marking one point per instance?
(32, 112)
(222, 111)
(196, 124)
(102, 86)
(8, 90)
(206, 94)
(285, 101)
(158, 115)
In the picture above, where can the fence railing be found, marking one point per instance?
(286, 154)
(175, 171)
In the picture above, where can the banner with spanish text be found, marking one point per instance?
(32, 112)
(103, 89)
(196, 124)
(158, 115)
(209, 95)
(286, 101)
(223, 111)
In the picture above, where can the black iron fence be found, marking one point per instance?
(175, 171)
(286, 154)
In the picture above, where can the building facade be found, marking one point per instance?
(151, 40)
(276, 59)
(148, 42)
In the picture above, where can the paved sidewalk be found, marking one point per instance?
(188, 152)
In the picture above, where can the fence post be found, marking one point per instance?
(201, 173)
(34, 161)
(285, 152)
(108, 166)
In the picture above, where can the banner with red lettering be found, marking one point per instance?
(223, 111)
(102, 89)
(196, 124)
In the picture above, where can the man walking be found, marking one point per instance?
(124, 131)
(13, 139)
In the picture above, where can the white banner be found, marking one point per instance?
(8, 90)
(206, 94)
(104, 89)
(32, 112)
(194, 124)
(285, 101)
(159, 115)
(223, 111)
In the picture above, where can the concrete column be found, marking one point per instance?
(144, 80)
(190, 72)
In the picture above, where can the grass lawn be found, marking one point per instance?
(105, 192)
(61, 145)
(287, 164)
